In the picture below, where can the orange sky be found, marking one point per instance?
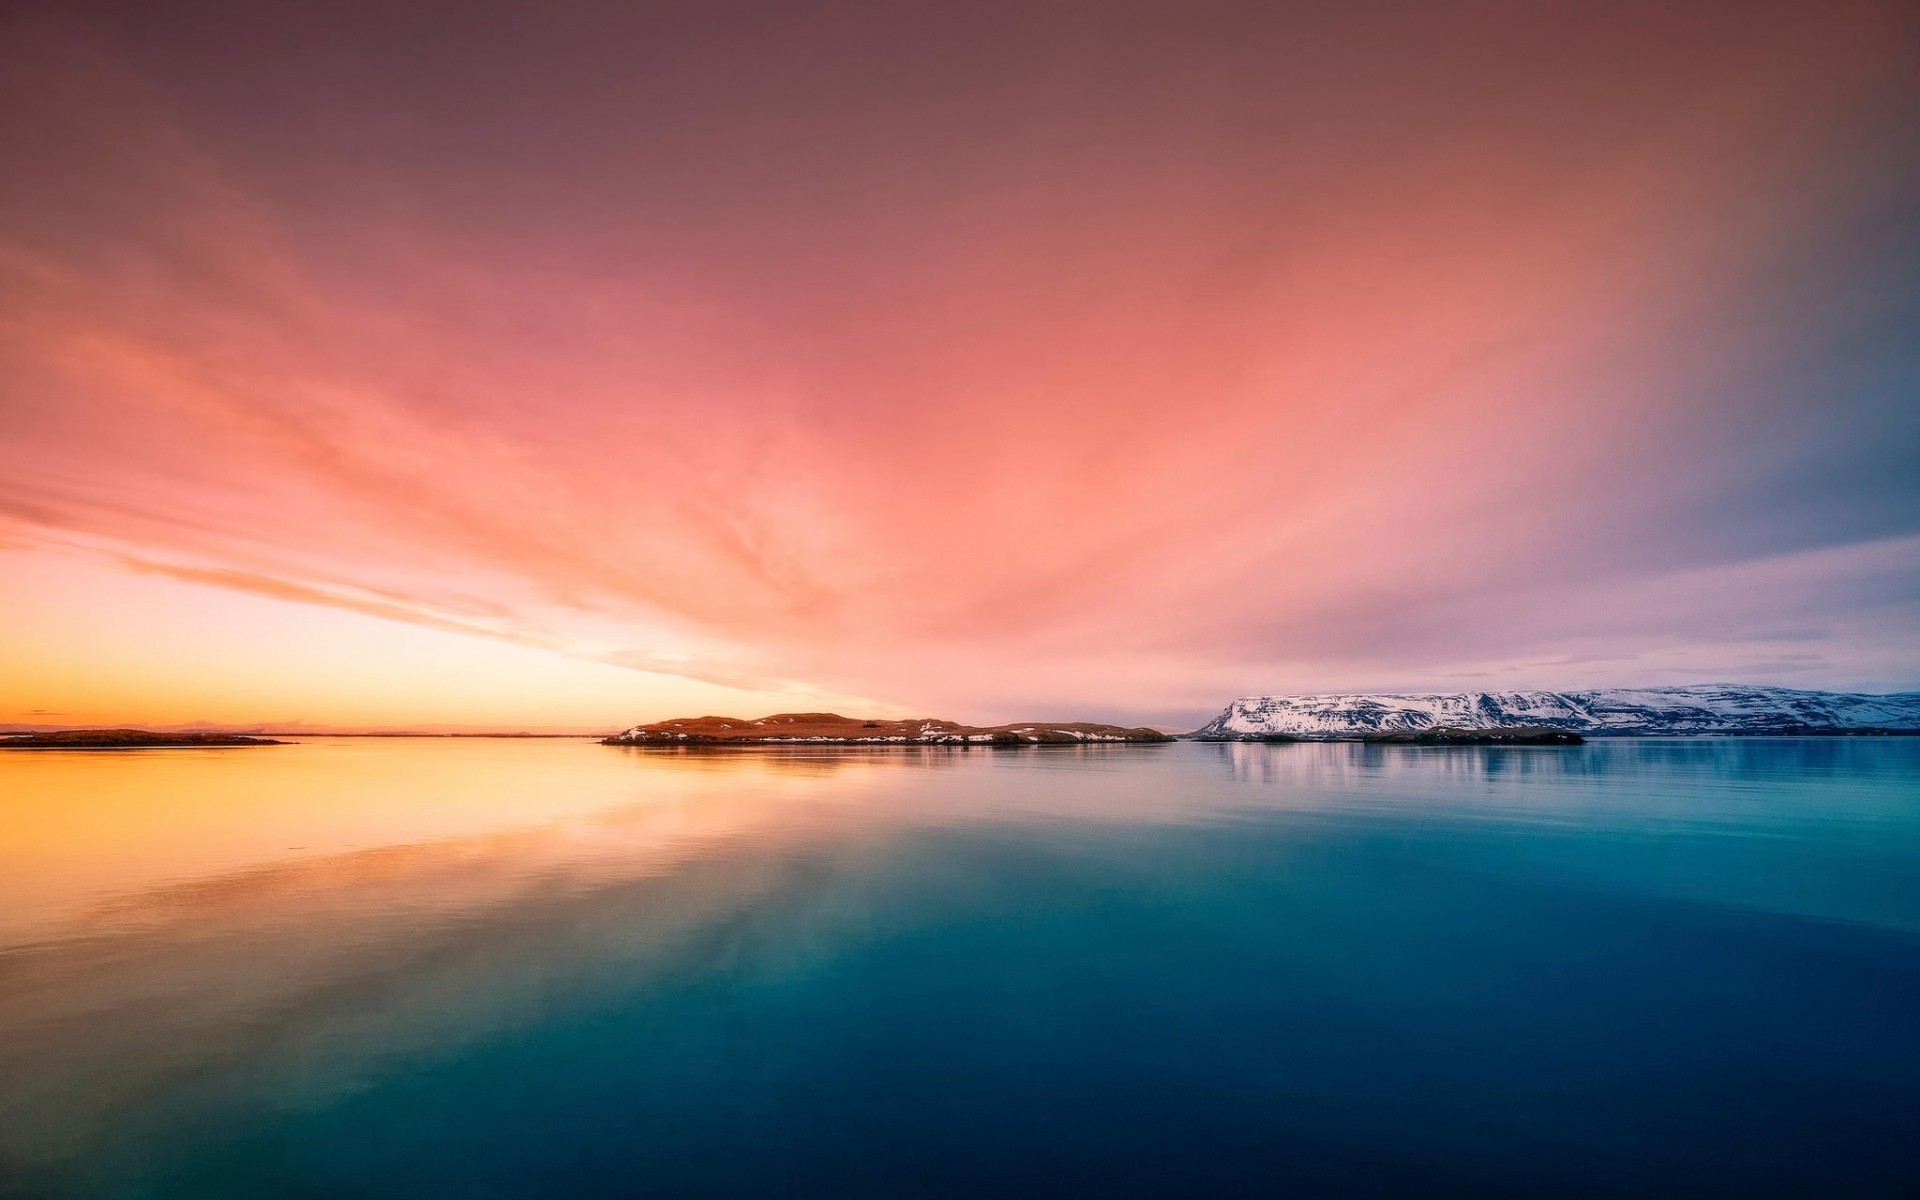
(581, 367)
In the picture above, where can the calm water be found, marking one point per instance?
(480, 968)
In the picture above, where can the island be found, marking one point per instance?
(1690, 710)
(832, 729)
(127, 739)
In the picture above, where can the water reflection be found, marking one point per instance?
(133, 965)
(294, 981)
(199, 943)
(1718, 758)
(795, 760)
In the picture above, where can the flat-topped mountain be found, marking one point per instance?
(1710, 709)
(834, 729)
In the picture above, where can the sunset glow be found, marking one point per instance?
(566, 370)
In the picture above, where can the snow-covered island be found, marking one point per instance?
(1699, 709)
(832, 729)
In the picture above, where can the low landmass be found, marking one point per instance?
(832, 729)
(126, 739)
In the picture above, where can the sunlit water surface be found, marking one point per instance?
(456, 968)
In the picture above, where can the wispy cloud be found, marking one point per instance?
(1149, 394)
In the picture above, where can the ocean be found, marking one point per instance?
(464, 967)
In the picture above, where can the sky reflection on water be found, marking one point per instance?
(562, 968)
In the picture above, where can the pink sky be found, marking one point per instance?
(588, 368)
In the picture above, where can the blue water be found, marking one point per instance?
(1633, 968)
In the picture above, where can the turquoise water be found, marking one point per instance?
(549, 968)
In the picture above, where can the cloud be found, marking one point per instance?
(1153, 391)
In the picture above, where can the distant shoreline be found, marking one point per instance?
(411, 733)
(129, 739)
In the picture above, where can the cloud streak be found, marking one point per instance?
(949, 361)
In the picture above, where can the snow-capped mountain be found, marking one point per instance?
(1715, 708)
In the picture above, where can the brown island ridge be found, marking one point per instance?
(832, 729)
(126, 739)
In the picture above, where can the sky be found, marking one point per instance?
(566, 366)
